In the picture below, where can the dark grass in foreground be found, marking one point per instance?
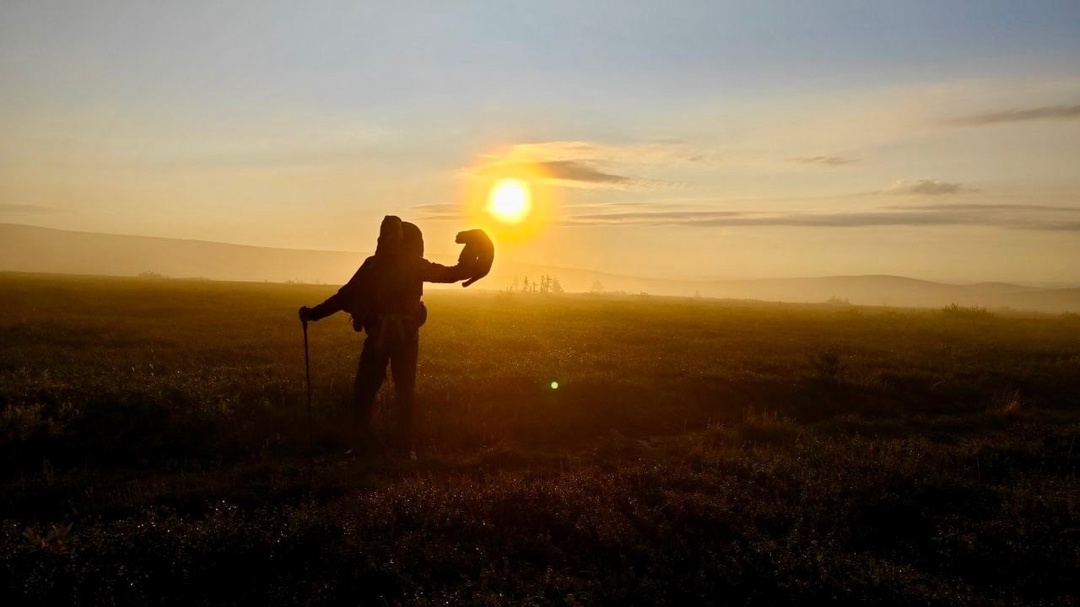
(153, 444)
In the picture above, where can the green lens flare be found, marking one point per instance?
(554, 385)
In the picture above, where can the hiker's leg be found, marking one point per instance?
(370, 372)
(403, 367)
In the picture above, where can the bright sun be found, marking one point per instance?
(509, 200)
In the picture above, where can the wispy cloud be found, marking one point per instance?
(927, 187)
(586, 164)
(655, 217)
(988, 207)
(568, 173)
(1049, 112)
(437, 207)
(29, 209)
(1017, 217)
(572, 170)
(827, 161)
(651, 152)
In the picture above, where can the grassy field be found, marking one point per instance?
(154, 450)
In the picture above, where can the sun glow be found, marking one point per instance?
(510, 200)
(513, 199)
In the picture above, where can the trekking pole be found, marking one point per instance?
(311, 415)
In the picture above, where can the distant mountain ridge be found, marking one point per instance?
(45, 250)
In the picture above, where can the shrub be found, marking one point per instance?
(957, 311)
(766, 427)
(828, 365)
(20, 422)
(1008, 405)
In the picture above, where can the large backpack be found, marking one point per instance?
(365, 300)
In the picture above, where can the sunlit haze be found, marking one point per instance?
(683, 140)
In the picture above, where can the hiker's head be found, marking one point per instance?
(390, 236)
(412, 239)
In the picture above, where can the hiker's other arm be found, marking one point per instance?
(336, 302)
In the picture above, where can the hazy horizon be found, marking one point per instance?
(702, 141)
(446, 256)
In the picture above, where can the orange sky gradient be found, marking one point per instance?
(652, 144)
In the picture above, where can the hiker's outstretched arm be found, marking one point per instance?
(433, 272)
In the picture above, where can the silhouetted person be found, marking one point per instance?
(384, 298)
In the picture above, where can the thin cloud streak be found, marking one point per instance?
(1051, 112)
(29, 208)
(570, 170)
(1065, 226)
(436, 207)
(827, 161)
(929, 216)
(927, 187)
(986, 207)
(567, 173)
(653, 152)
(586, 164)
(658, 217)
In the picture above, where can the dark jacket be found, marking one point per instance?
(388, 284)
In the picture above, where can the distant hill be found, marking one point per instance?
(34, 249)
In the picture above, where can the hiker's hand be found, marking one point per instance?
(305, 314)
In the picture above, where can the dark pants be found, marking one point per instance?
(398, 346)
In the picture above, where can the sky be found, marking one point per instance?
(715, 139)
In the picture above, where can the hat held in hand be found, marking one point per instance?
(477, 255)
